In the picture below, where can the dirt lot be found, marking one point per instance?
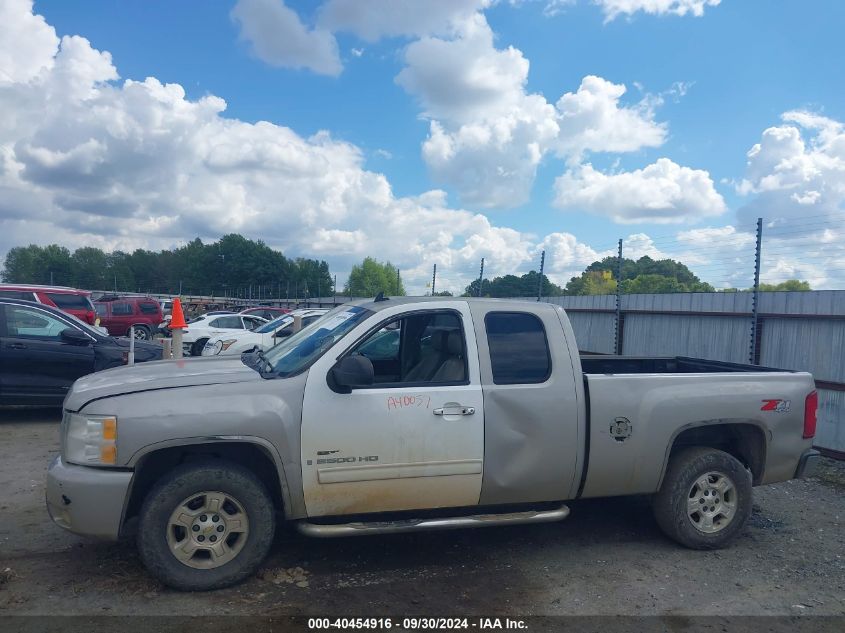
(607, 558)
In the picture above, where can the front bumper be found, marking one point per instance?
(807, 464)
(87, 500)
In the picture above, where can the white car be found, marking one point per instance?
(262, 338)
(209, 326)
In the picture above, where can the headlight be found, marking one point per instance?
(90, 440)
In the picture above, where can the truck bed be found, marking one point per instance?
(607, 364)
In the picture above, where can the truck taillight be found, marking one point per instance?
(91, 316)
(811, 405)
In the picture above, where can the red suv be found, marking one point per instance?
(70, 300)
(118, 314)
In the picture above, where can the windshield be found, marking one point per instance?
(274, 325)
(298, 351)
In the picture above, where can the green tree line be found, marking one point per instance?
(234, 266)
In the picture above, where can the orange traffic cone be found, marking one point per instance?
(177, 317)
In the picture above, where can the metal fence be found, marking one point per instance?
(795, 330)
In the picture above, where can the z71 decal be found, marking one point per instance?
(776, 405)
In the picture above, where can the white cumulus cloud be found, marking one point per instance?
(615, 8)
(488, 135)
(372, 20)
(663, 192)
(277, 36)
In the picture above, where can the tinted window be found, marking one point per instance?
(31, 323)
(101, 309)
(17, 294)
(72, 302)
(119, 308)
(228, 322)
(148, 307)
(519, 352)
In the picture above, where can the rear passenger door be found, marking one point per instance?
(36, 364)
(532, 437)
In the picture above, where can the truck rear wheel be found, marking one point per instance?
(705, 498)
(205, 526)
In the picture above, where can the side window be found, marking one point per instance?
(30, 323)
(121, 308)
(426, 347)
(148, 307)
(228, 322)
(101, 309)
(309, 320)
(251, 323)
(17, 294)
(519, 351)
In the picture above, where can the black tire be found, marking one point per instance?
(167, 495)
(671, 509)
(142, 333)
(196, 347)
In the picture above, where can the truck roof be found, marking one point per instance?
(514, 304)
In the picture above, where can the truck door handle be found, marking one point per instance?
(16, 345)
(454, 411)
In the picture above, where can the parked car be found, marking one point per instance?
(70, 300)
(261, 338)
(209, 326)
(266, 312)
(119, 314)
(43, 350)
(485, 414)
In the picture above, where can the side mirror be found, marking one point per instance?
(352, 372)
(283, 333)
(74, 337)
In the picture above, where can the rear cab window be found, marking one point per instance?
(519, 348)
(148, 307)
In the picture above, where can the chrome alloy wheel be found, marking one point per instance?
(711, 503)
(207, 530)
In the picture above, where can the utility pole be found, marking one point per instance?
(433, 280)
(480, 278)
(618, 342)
(51, 277)
(334, 291)
(397, 280)
(753, 353)
(540, 282)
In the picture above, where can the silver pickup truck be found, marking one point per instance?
(409, 414)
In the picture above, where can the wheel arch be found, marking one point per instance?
(253, 453)
(745, 439)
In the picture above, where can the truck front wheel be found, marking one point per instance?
(205, 526)
(705, 498)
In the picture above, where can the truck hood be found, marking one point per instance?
(168, 374)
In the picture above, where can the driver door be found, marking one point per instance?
(415, 438)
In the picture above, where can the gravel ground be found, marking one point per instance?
(608, 558)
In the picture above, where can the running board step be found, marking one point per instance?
(444, 523)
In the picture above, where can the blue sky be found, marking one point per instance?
(701, 89)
